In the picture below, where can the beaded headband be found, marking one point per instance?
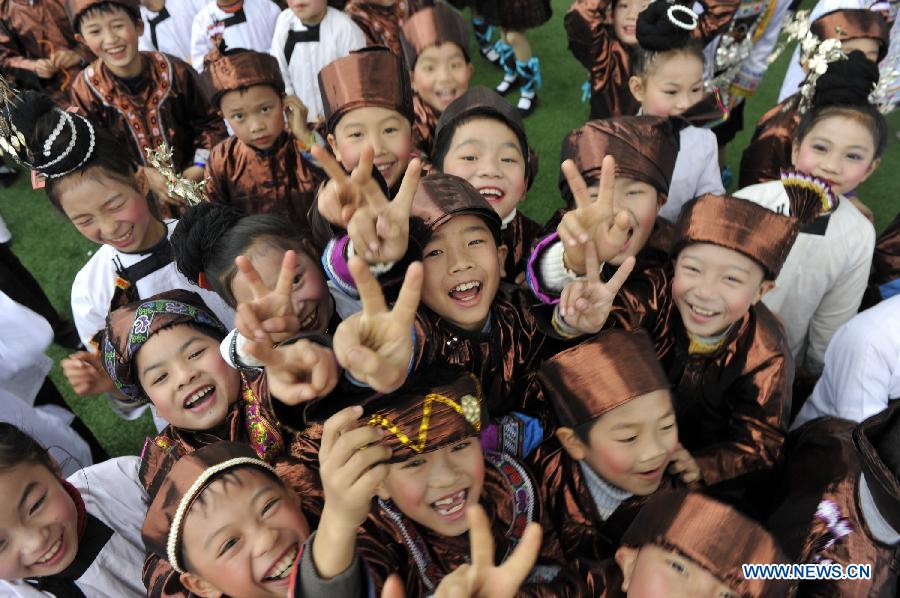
(469, 407)
(690, 24)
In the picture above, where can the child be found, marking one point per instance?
(853, 23)
(261, 168)
(838, 143)
(602, 36)
(482, 139)
(381, 20)
(667, 79)
(308, 36)
(436, 472)
(75, 537)
(520, 66)
(769, 151)
(436, 46)
(645, 149)
(209, 238)
(362, 111)
(617, 441)
(37, 43)
(148, 98)
(840, 501)
(102, 192)
(167, 26)
(226, 521)
(687, 544)
(247, 24)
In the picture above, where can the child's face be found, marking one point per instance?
(641, 201)
(242, 536)
(185, 377)
(839, 150)
(113, 37)
(867, 45)
(715, 286)
(310, 297)
(487, 153)
(654, 571)
(670, 86)
(387, 131)
(441, 75)
(631, 445)
(38, 523)
(108, 211)
(255, 114)
(625, 16)
(435, 489)
(309, 12)
(463, 267)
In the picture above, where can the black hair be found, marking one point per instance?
(843, 90)
(17, 448)
(644, 60)
(658, 36)
(209, 236)
(583, 430)
(105, 8)
(442, 142)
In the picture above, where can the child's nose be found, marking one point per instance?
(264, 540)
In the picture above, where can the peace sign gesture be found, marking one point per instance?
(343, 193)
(272, 310)
(379, 229)
(375, 345)
(595, 220)
(585, 303)
(296, 372)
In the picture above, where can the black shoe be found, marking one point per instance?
(66, 336)
(8, 175)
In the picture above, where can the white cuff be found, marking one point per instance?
(554, 276)
(376, 269)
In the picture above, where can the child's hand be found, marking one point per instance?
(297, 113)
(271, 311)
(482, 578)
(298, 372)
(375, 346)
(159, 186)
(44, 68)
(65, 58)
(585, 303)
(592, 220)
(684, 465)
(86, 374)
(379, 229)
(343, 193)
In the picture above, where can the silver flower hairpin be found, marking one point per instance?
(192, 192)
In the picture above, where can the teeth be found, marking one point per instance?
(283, 567)
(51, 552)
(451, 504)
(491, 192)
(383, 167)
(466, 286)
(198, 396)
(702, 312)
(309, 320)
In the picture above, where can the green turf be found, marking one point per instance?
(53, 251)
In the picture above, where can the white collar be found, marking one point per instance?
(880, 528)
(509, 218)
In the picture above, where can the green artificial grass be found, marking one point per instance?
(54, 252)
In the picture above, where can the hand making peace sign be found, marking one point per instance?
(585, 303)
(272, 310)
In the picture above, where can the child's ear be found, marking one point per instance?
(199, 586)
(764, 287)
(80, 38)
(871, 169)
(333, 143)
(626, 558)
(143, 183)
(571, 443)
(636, 85)
(502, 251)
(139, 27)
(795, 152)
(470, 69)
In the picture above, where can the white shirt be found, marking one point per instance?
(23, 344)
(696, 170)
(111, 493)
(823, 279)
(173, 33)
(254, 33)
(862, 367)
(5, 235)
(338, 35)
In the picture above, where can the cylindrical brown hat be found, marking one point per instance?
(600, 374)
(372, 76)
(433, 26)
(853, 23)
(877, 439)
(75, 8)
(481, 101)
(440, 197)
(232, 70)
(188, 478)
(435, 409)
(738, 224)
(713, 535)
(645, 149)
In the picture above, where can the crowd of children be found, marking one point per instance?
(372, 374)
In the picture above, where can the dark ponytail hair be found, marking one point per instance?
(17, 448)
(209, 236)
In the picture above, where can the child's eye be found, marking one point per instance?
(265, 109)
(668, 426)
(461, 446)
(819, 147)
(628, 440)
(227, 545)
(675, 565)
(468, 158)
(413, 464)
(197, 353)
(391, 130)
(270, 505)
(855, 157)
(117, 205)
(237, 116)
(434, 253)
(83, 222)
(298, 279)
(476, 242)
(733, 279)
(158, 379)
(38, 504)
(355, 135)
